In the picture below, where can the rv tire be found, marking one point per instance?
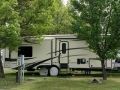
(43, 71)
(54, 71)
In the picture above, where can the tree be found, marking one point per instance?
(98, 23)
(34, 16)
(9, 28)
(22, 19)
(61, 20)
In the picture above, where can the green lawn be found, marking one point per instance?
(63, 82)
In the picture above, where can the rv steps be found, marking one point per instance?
(64, 65)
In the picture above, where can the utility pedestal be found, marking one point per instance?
(21, 66)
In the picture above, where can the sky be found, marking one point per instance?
(65, 2)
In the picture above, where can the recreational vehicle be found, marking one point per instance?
(54, 53)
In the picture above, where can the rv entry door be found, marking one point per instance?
(64, 52)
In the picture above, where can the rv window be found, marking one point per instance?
(63, 48)
(117, 60)
(81, 61)
(78, 61)
(25, 50)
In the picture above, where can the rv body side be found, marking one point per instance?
(32, 52)
(54, 53)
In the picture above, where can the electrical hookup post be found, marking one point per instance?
(21, 66)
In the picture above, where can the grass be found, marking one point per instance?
(63, 82)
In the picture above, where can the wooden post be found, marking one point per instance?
(2, 75)
(19, 67)
(16, 76)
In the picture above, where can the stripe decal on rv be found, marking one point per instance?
(7, 59)
(74, 55)
(31, 65)
(85, 48)
(38, 62)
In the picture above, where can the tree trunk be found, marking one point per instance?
(104, 70)
(1, 68)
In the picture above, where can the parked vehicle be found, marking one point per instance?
(54, 53)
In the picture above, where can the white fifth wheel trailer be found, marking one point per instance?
(54, 53)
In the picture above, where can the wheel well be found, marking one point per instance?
(30, 69)
(55, 66)
(48, 66)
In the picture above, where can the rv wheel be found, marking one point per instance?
(43, 71)
(54, 71)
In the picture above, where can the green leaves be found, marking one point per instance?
(9, 25)
(34, 17)
(61, 20)
(98, 22)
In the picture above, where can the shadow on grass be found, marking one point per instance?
(94, 74)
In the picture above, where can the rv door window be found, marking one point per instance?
(25, 50)
(63, 48)
(83, 61)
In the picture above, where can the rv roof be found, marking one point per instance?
(61, 36)
(55, 36)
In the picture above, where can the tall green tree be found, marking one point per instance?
(23, 19)
(98, 23)
(61, 20)
(9, 28)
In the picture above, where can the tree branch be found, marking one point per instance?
(106, 32)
